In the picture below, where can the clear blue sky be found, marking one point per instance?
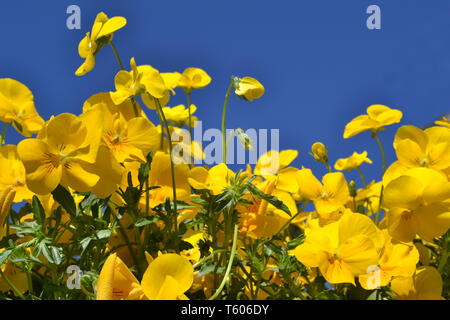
(319, 63)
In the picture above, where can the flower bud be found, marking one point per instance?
(248, 88)
(352, 188)
(320, 152)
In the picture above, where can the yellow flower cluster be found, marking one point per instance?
(103, 192)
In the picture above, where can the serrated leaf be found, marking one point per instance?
(146, 221)
(38, 210)
(4, 255)
(269, 198)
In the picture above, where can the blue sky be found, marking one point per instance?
(319, 63)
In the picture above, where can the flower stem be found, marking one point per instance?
(172, 166)
(188, 94)
(230, 263)
(224, 134)
(382, 153)
(117, 55)
(362, 177)
(11, 285)
(2, 141)
(291, 219)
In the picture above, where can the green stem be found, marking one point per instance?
(11, 285)
(117, 55)
(444, 256)
(382, 153)
(328, 167)
(224, 134)
(172, 166)
(188, 95)
(130, 248)
(291, 219)
(362, 177)
(2, 141)
(230, 263)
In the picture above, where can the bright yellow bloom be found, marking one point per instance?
(161, 176)
(6, 200)
(101, 33)
(248, 88)
(416, 203)
(319, 152)
(193, 78)
(116, 282)
(168, 277)
(341, 250)
(180, 114)
(60, 157)
(214, 179)
(13, 173)
(129, 138)
(426, 284)
(327, 197)
(17, 107)
(429, 148)
(398, 259)
(377, 117)
(352, 162)
(140, 80)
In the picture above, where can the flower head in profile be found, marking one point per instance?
(319, 152)
(193, 78)
(352, 162)
(141, 79)
(7, 195)
(445, 121)
(101, 33)
(248, 88)
(168, 277)
(425, 284)
(17, 107)
(377, 117)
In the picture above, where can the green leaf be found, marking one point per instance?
(207, 268)
(146, 221)
(269, 198)
(38, 210)
(65, 199)
(4, 255)
(294, 243)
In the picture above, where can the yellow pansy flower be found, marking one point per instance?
(248, 88)
(168, 277)
(426, 284)
(101, 33)
(180, 114)
(429, 148)
(352, 162)
(341, 250)
(214, 179)
(17, 107)
(116, 282)
(377, 117)
(398, 259)
(161, 176)
(141, 79)
(416, 205)
(327, 197)
(61, 157)
(13, 173)
(193, 78)
(129, 138)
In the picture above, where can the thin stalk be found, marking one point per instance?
(11, 285)
(444, 256)
(117, 55)
(130, 248)
(188, 95)
(2, 141)
(224, 134)
(328, 167)
(362, 177)
(230, 264)
(382, 153)
(172, 166)
(291, 219)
